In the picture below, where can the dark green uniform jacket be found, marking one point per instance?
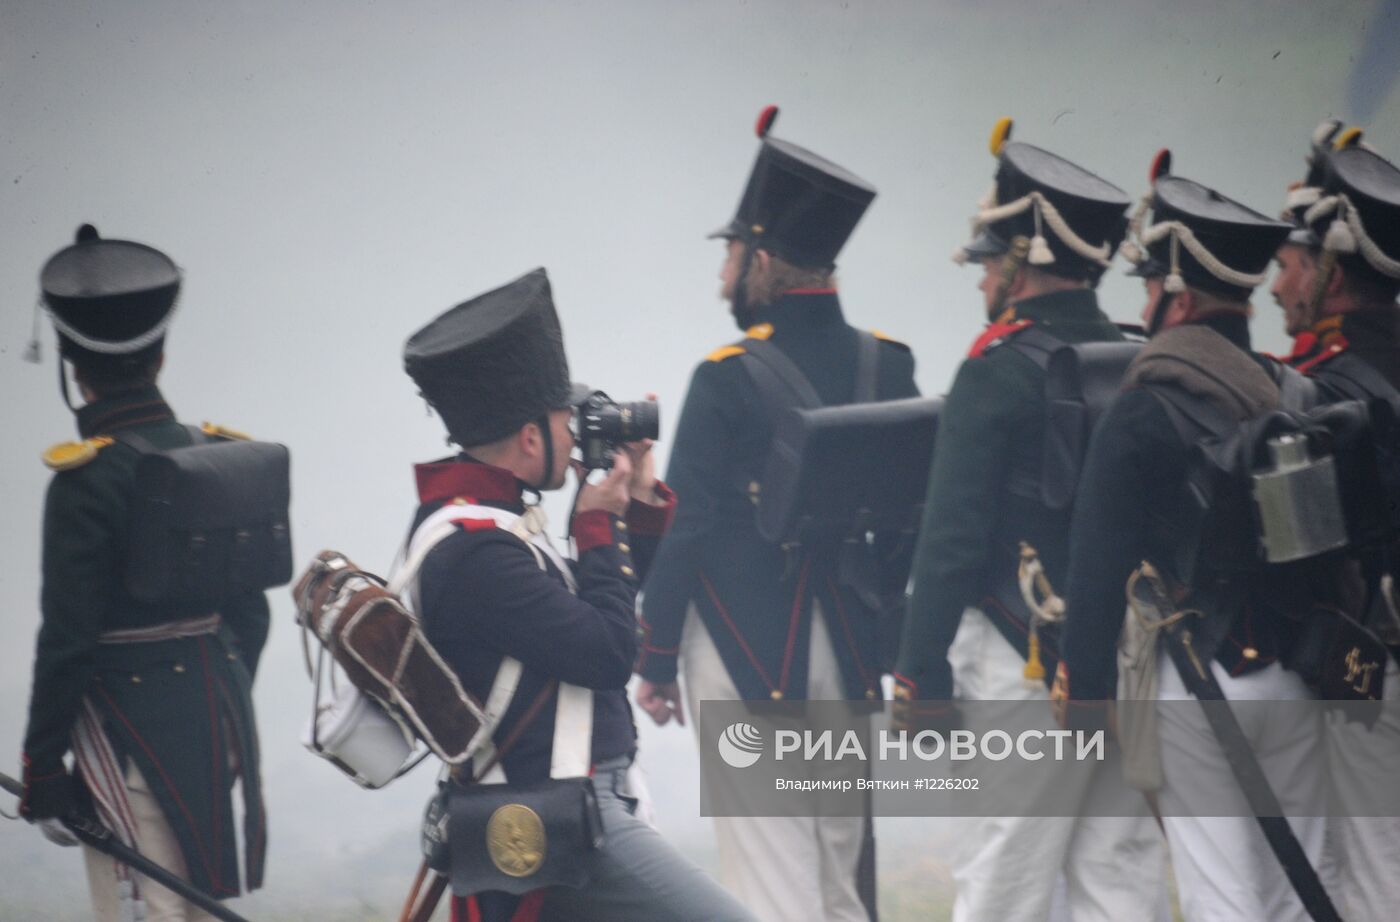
(174, 707)
(755, 602)
(983, 492)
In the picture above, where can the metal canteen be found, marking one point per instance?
(1299, 505)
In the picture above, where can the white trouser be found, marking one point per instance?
(1224, 868)
(799, 868)
(156, 841)
(1112, 868)
(1367, 847)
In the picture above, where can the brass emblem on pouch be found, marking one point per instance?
(1359, 670)
(515, 840)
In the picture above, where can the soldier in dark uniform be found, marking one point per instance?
(1348, 279)
(494, 369)
(1201, 257)
(1311, 332)
(1351, 312)
(732, 611)
(153, 700)
(1044, 238)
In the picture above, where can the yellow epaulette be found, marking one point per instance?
(757, 331)
(724, 352)
(224, 432)
(65, 456)
(886, 338)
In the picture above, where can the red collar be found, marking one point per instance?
(993, 333)
(1303, 344)
(469, 480)
(1336, 345)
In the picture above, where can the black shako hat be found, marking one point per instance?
(797, 205)
(492, 364)
(1200, 238)
(110, 300)
(1073, 219)
(1330, 135)
(1357, 216)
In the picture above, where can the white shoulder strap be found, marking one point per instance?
(571, 755)
(571, 752)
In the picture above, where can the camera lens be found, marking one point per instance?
(600, 425)
(638, 420)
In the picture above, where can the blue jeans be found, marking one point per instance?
(637, 875)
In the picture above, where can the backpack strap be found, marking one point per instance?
(1297, 392)
(1034, 342)
(781, 383)
(1359, 378)
(1193, 419)
(867, 366)
(570, 752)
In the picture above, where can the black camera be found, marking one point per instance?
(601, 424)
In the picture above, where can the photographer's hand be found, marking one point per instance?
(661, 702)
(643, 484)
(612, 493)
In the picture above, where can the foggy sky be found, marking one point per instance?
(330, 176)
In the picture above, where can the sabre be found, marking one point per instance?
(94, 834)
(1151, 592)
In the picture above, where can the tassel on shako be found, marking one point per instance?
(1040, 254)
(1339, 237)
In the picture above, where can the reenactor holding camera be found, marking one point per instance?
(546, 642)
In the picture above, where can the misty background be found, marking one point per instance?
(332, 175)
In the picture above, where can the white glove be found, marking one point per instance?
(57, 833)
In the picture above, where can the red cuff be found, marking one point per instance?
(592, 529)
(647, 519)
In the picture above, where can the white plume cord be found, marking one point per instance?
(1183, 236)
(1348, 235)
(1047, 212)
(107, 348)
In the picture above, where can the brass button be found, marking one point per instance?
(1250, 653)
(621, 525)
(627, 571)
(458, 501)
(232, 657)
(776, 695)
(624, 548)
(179, 667)
(136, 680)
